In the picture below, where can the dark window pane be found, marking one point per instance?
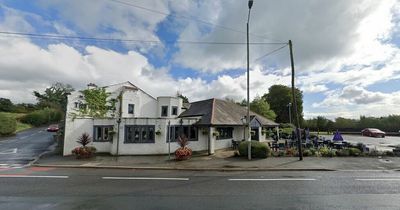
(151, 133)
(185, 131)
(144, 134)
(193, 133)
(164, 111)
(174, 110)
(136, 134)
(131, 108)
(225, 133)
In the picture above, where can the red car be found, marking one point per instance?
(53, 128)
(373, 132)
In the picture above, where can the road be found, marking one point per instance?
(24, 147)
(52, 188)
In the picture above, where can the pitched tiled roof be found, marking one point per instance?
(220, 112)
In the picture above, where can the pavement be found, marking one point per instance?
(223, 160)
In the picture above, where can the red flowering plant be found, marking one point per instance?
(84, 151)
(183, 152)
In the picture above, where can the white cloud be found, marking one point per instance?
(62, 63)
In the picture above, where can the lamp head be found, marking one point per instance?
(250, 3)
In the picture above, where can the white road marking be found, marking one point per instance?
(145, 178)
(9, 151)
(33, 176)
(380, 179)
(288, 179)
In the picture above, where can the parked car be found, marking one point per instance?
(53, 128)
(373, 132)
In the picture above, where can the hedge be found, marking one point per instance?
(41, 117)
(258, 150)
(8, 124)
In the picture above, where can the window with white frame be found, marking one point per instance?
(103, 133)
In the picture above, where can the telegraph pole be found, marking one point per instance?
(294, 103)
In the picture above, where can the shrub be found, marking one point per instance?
(84, 152)
(258, 150)
(8, 124)
(389, 153)
(326, 152)
(354, 152)
(290, 152)
(41, 117)
(343, 153)
(307, 153)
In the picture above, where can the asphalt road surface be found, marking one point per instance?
(24, 147)
(51, 188)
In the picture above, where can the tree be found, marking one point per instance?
(184, 98)
(261, 107)
(54, 96)
(6, 105)
(278, 97)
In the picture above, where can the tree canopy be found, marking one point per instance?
(278, 97)
(6, 105)
(261, 107)
(184, 98)
(54, 96)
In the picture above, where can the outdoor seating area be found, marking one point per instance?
(313, 145)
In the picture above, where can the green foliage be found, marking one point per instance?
(354, 152)
(258, 149)
(343, 153)
(24, 108)
(184, 98)
(97, 103)
(54, 96)
(307, 153)
(8, 124)
(326, 152)
(44, 116)
(278, 97)
(6, 105)
(261, 107)
(389, 123)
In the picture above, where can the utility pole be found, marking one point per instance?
(290, 113)
(294, 103)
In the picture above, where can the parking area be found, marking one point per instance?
(381, 144)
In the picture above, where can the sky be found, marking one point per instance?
(347, 53)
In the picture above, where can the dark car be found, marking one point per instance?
(53, 128)
(373, 132)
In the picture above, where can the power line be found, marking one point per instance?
(67, 37)
(190, 18)
(271, 52)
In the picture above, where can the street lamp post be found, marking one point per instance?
(250, 4)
